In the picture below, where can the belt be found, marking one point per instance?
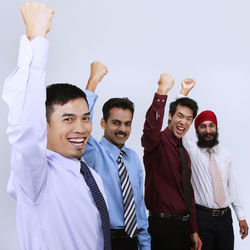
(120, 233)
(212, 211)
(169, 216)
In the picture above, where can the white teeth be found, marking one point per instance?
(182, 129)
(76, 140)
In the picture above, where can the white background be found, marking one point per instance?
(137, 40)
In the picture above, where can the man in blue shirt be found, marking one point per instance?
(103, 157)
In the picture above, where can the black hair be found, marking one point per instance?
(184, 101)
(123, 103)
(61, 93)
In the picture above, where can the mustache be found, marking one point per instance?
(121, 133)
(208, 134)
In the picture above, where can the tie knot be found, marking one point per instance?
(121, 155)
(210, 150)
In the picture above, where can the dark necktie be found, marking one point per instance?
(185, 178)
(100, 204)
(130, 221)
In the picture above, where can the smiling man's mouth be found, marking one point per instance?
(77, 141)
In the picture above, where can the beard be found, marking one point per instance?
(202, 143)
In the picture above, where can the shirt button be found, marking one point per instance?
(158, 100)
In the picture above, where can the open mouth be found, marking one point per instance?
(180, 130)
(77, 142)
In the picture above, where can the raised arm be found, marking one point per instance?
(155, 113)
(97, 72)
(186, 85)
(24, 92)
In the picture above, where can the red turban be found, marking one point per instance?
(206, 115)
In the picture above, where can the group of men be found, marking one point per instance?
(74, 192)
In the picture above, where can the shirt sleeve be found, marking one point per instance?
(24, 92)
(90, 150)
(92, 98)
(143, 237)
(153, 124)
(234, 192)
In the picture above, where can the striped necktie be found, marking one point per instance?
(100, 203)
(219, 193)
(128, 198)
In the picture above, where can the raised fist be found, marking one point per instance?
(37, 18)
(188, 83)
(98, 71)
(166, 82)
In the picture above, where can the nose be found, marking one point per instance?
(207, 130)
(82, 128)
(122, 127)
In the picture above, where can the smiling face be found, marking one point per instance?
(117, 128)
(69, 128)
(207, 134)
(207, 130)
(181, 121)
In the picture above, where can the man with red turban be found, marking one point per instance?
(214, 183)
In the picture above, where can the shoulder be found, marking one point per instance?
(131, 154)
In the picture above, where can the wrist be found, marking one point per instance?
(92, 84)
(162, 91)
(184, 92)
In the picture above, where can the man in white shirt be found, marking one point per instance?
(60, 201)
(214, 183)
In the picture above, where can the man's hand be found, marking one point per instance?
(166, 82)
(197, 244)
(97, 72)
(186, 85)
(243, 229)
(37, 18)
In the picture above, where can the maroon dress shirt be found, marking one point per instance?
(163, 184)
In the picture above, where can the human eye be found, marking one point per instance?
(128, 124)
(180, 116)
(67, 119)
(116, 123)
(86, 118)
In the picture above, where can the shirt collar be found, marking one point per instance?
(215, 148)
(171, 136)
(62, 162)
(113, 150)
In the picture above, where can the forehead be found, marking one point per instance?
(120, 114)
(207, 123)
(76, 106)
(184, 110)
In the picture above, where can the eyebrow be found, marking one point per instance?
(70, 114)
(189, 116)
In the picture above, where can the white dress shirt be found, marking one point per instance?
(55, 208)
(202, 181)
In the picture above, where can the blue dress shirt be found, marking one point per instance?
(55, 208)
(102, 156)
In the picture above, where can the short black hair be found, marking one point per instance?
(184, 101)
(123, 103)
(61, 93)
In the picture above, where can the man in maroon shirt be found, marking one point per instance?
(168, 193)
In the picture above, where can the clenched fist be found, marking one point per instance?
(166, 82)
(186, 85)
(37, 18)
(97, 72)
